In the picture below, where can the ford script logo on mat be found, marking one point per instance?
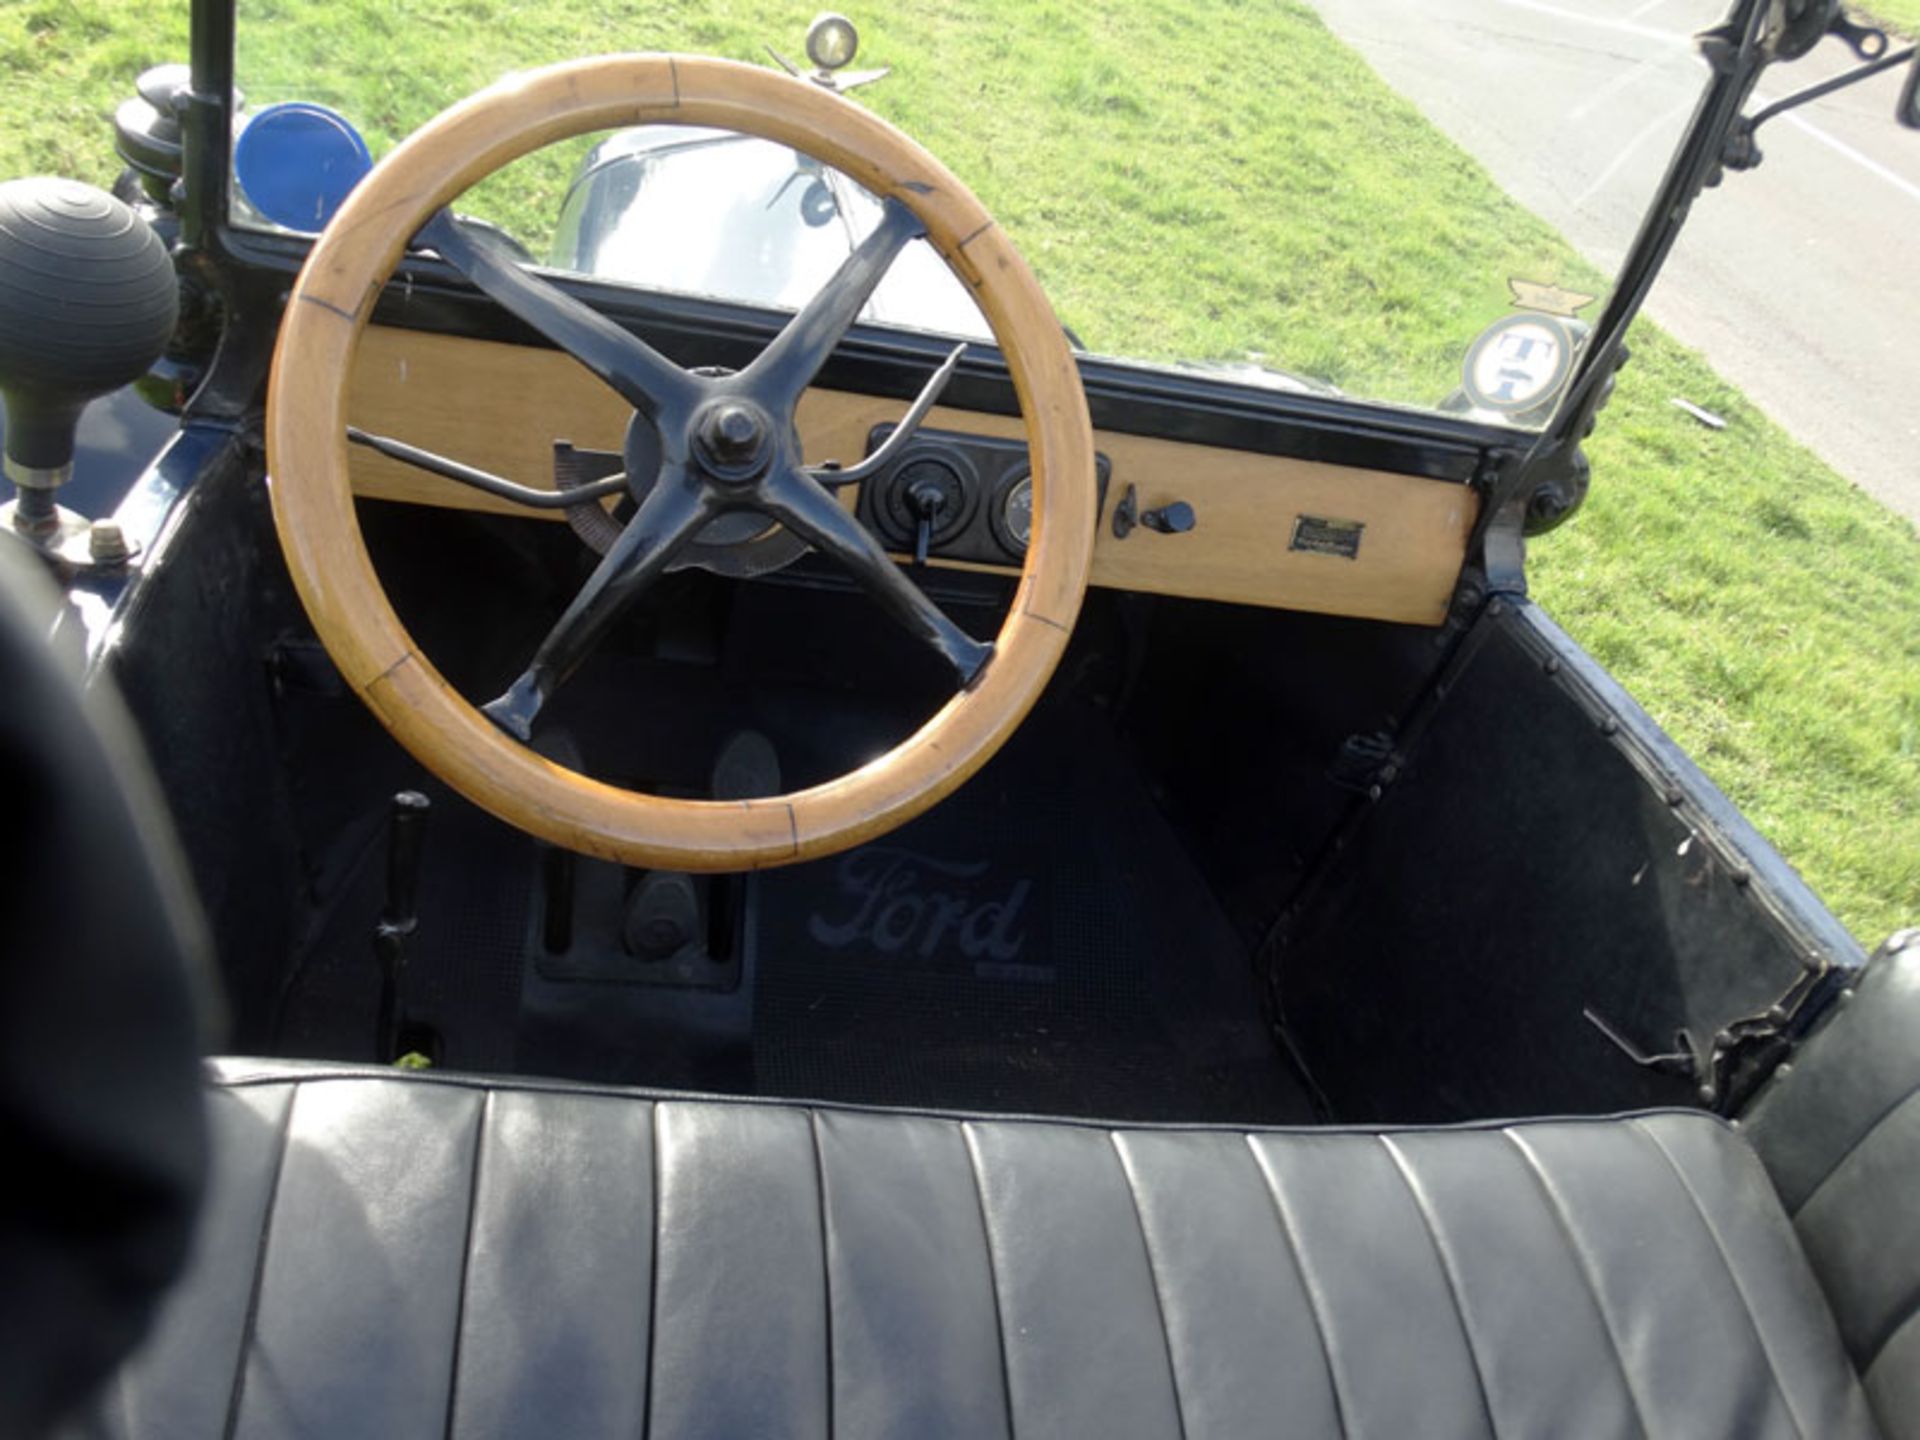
(897, 902)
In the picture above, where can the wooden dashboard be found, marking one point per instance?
(1263, 521)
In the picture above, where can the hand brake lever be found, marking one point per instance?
(399, 917)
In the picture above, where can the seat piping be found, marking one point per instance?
(235, 1394)
(826, 1269)
(993, 1274)
(1565, 1225)
(1153, 1278)
(1306, 1284)
(653, 1267)
(1414, 1188)
(466, 1259)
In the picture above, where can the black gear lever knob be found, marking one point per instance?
(88, 300)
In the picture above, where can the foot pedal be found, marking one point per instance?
(663, 918)
(747, 768)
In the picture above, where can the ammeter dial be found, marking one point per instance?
(1012, 512)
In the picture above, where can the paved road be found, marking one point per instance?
(1800, 280)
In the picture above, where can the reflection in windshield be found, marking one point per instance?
(708, 212)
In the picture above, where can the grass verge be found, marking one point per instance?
(1205, 180)
(1902, 17)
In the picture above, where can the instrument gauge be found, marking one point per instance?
(1012, 513)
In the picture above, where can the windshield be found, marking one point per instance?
(1393, 200)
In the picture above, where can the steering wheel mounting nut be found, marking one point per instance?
(731, 437)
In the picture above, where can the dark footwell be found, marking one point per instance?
(1037, 942)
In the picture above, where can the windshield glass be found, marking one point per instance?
(1418, 202)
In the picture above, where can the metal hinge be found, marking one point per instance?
(1741, 1054)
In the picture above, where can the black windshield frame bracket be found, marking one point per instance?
(1742, 151)
(1754, 35)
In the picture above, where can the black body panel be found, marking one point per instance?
(1544, 851)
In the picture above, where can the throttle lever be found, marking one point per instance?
(833, 477)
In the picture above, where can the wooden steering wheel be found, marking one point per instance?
(724, 444)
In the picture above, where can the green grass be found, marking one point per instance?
(1203, 179)
(1899, 16)
(1768, 614)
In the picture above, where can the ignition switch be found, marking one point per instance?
(927, 501)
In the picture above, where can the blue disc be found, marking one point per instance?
(298, 161)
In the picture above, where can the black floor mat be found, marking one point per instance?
(1037, 942)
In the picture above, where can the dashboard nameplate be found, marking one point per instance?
(1318, 536)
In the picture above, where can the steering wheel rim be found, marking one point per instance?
(314, 512)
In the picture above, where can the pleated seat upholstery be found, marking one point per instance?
(391, 1255)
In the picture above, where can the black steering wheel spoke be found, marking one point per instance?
(804, 507)
(640, 374)
(674, 512)
(719, 437)
(781, 373)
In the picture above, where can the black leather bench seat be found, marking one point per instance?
(387, 1255)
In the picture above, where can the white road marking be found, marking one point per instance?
(1623, 81)
(1865, 162)
(1600, 22)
